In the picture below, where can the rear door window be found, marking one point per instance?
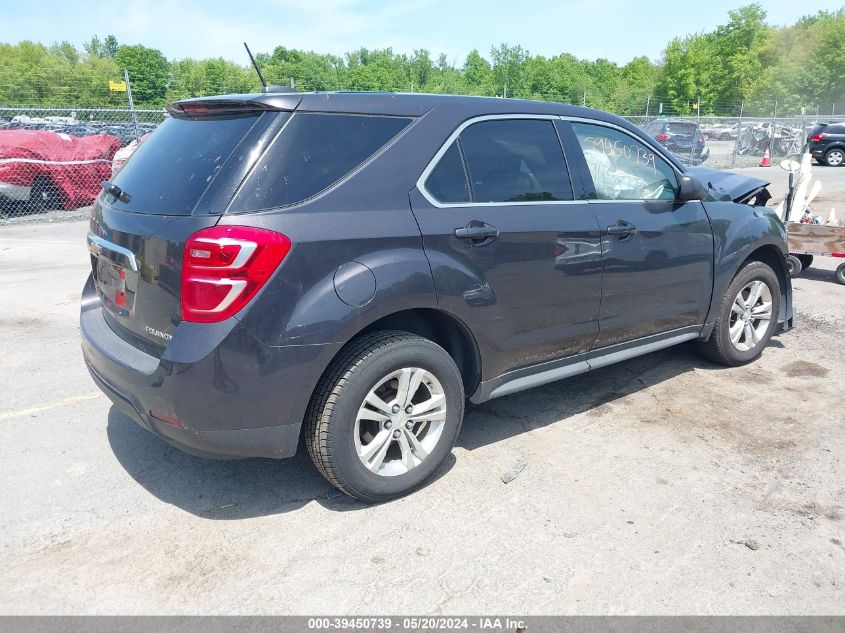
(311, 153)
(170, 171)
(448, 180)
(515, 160)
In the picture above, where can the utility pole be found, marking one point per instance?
(697, 129)
(647, 104)
(738, 134)
(584, 99)
(131, 104)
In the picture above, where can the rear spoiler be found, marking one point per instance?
(233, 104)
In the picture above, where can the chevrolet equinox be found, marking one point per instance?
(348, 268)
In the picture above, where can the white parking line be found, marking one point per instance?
(40, 241)
(15, 270)
(8, 415)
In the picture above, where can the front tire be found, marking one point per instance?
(840, 274)
(747, 317)
(385, 415)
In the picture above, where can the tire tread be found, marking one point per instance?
(318, 427)
(714, 349)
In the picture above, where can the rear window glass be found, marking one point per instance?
(312, 152)
(515, 160)
(681, 128)
(171, 169)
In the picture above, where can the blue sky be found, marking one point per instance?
(615, 29)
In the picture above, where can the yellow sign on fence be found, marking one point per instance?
(117, 86)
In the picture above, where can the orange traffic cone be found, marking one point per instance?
(766, 162)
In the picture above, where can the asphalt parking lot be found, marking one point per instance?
(661, 485)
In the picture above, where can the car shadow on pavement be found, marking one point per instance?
(500, 419)
(239, 489)
(225, 489)
(819, 274)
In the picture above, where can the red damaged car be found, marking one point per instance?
(50, 170)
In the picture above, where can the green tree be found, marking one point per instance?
(106, 49)
(508, 63)
(743, 60)
(478, 74)
(149, 72)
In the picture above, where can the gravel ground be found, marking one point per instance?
(662, 485)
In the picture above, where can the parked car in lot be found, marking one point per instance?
(682, 138)
(50, 170)
(720, 131)
(349, 267)
(123, 154)
(827, 144)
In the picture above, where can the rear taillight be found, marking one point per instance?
(662, 137)
(224, 266)
(816, 138)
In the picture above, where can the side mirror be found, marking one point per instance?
(691, 189)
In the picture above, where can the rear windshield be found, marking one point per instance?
(677, 127)
(170, 171)
(311, 153)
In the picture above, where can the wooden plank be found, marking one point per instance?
(815, 239)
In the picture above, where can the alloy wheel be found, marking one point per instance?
(751, 314)
(400, 421)
(835, 157)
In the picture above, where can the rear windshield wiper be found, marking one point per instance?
(116, 192)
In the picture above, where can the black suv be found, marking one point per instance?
(682, 138)
(827, 144)
(349, 267)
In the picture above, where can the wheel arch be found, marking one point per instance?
(443, 328)
(771, 255)
(436, 325)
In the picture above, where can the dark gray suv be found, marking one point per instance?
(349, 267)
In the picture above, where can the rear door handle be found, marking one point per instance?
(622, 228)
(479, 233)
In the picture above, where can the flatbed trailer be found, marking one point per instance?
(807, 240)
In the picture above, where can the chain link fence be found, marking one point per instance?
(731, 142)
(52, 160)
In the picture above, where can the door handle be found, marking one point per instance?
(622, 228)
(479, 233)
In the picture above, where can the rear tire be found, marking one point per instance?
(834, 157)
(794, 266)
(745, 321)
(342, 423)
(806, 261)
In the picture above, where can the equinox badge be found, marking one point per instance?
(158, 333)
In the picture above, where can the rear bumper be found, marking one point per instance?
(818, 151)
(227, 395)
